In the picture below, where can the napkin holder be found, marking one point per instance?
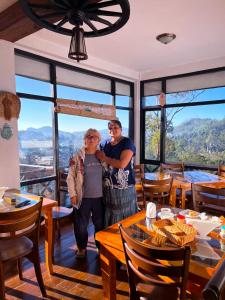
(151, 210)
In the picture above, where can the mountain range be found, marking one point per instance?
(26, 137)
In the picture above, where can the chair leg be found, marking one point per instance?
(53, 240)
(36, 261)
(19, 266)
(58, 228)
(2, 282)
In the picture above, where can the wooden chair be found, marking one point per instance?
(175, 169)
(139, 174)
(157, 190)
(221, 170)
(208, 199)
(19, 237)
(60, 212)
(215, 288)
(172, 167)
(150, 273)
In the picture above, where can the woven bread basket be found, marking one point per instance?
(179, 234)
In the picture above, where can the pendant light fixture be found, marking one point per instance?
(77, 45)
(68, 17)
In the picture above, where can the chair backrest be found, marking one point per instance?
(139, 172)
(215, 287)
(208, 198)
(221, 170)
(62, 185)
(157, 189)
(21, 222)
(173, 167)
(146, 264)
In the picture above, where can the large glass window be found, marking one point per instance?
(150, 100)
(196, 96)
(36, 152)
(45, 189)
(123, 94)
(192, 126)
(33, 86)
(71, 133)
(196, 135)
(72, 93)
(36, 81)
(123, 116)
(152, 135)
(124, 101)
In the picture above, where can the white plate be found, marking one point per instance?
(186, 214)
(167, 216)
(203, 227)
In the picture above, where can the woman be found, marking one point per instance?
(119, 182)
(85, 189)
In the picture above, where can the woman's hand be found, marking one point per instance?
(100, 155)
(73, 200)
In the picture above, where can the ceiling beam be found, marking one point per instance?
(15, 25)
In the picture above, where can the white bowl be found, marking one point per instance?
(203, 227)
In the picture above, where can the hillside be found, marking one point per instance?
(32, 137)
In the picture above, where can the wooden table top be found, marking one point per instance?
(186, 176)
(185, 179)
(206, 254)
(5, 204)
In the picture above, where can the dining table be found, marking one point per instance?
(47, 205)
(184, 180)
(206, 254)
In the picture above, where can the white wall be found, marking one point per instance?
(9, 149)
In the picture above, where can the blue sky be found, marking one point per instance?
(38, 113)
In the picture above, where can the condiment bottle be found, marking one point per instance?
(181, 219)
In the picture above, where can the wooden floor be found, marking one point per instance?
(73, 278)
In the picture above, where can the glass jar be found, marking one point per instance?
(181, 219)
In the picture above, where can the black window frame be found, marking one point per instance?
(52, 69)
(144, 109)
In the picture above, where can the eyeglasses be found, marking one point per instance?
(92, 137)
(114, 127)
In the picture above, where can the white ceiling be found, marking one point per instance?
(198, 25)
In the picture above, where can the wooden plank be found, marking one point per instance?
(15, 25)
(86, 109)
